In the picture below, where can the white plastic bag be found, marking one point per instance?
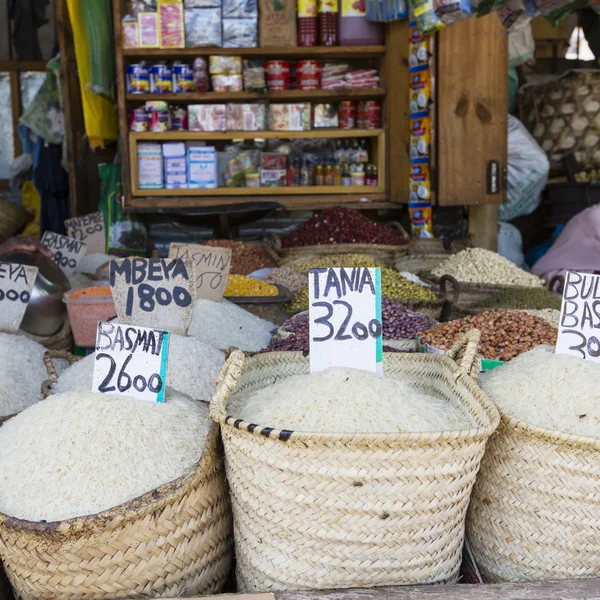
(510, 244)
(521, 46)
(528, 169)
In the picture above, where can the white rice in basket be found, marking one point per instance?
(22, 373)
(81, 453)
(90, 262)
(224, 324)
(554, 391)
(347, 401)
(192, 369)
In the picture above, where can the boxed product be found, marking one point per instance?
(246, 117)
(273, 169)
(240, 9)
(202, 27)
(227, 83)
(130, 34)
(289, 117)
(277, 23)
(240, 33)
(207, 117)
(147, 30)
(201, 3)
(225, 65)
(150, 166)
(170, 24)
(326, 115)
(175, 165)
(202, 167)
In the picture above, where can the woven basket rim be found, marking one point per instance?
(232, 370)
(550, 435)
(133, 509)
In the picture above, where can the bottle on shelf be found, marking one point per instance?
(304, 174)
(319, 177)
(307, 23)
(337, 175)
(329, 180)
(346, 176)
(328, 22)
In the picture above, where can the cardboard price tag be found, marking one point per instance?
(16, 283)
(578, 333)
(154, 292)
(132, 361)
(212, 268)
(66, 252)
(88, 229)
(345, 319)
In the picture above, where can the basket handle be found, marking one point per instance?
(557, 279)
(454, 284)
(229, 375)
(48, 357)
(397, 227)
(466, 347)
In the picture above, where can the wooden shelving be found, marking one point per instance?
(252, 135)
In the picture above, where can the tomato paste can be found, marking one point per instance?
(138, 120)
(308, 75)
(369, 114)
(138, 79)
(179, 119)
(160, 121)
(278, 75)
(347, 115)
(183, 78)
(161, 79)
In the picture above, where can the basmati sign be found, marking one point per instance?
(66, 251)
(578, 331)
(345, 319)
(131, 361)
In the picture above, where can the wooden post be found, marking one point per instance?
(483, 225)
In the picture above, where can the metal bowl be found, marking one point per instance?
(46, 311)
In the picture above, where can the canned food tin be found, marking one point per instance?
(138, 79)
(347, 115)
(138, 120)
(160, 121)
(179, 119)
(183, 78)
(161, 81)
(308, 75)
(278, 75)
(369, 114)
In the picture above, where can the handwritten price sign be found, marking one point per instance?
(88, 229)
(16, 285)
(66, 252)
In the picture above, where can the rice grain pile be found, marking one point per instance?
(553, 391)
(288, 278)
(81, 453)
(78, 281)
(192, 369)
(23, 373)
(477, 265)
(224, 324)
(90, 263)
(347, 401)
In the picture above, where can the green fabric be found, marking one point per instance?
(124, 234)
(513, 86)
(97, 17)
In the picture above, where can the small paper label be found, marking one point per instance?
(16, 283)
(66, 252)
(131, 361)
(578, 333)
(154, 292)
(88, 229)
(345, 319)
(212, 268)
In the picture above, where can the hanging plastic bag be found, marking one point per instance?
(452, 11)
(384, 11)
(528, 169)
(124, 234)
(424, 15)
(521, 46)
(510, 244)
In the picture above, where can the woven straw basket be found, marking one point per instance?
(535, 511)
(173, 541)
(325, 510)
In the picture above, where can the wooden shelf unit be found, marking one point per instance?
(391, 60)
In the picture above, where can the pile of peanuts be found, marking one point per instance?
(504, 334)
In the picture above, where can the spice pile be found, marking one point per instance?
(522, 298)
(504, 334)
(398, 287)
(286, 277)
(341, 226)
(336, 261)
(298, 340)
(246, 258)
(399, 323)
(94, 291)
(240, 285)
(477, 265)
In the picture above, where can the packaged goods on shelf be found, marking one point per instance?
(307, 23)
(427, 21)
(227, 83)
(353, 27)
(450, 12)
(225, 65)
(273, 169)
(308, 75)
(170, 24)
(150, 166)
(179, 118)
(130, 30)
(325, 115)
(420, 183)
(419, 49)
(290, 117)
(139, 120)
(254, 76)
(200, 74)
(138, 79)
(240, 33)
(148, 30)
(161, 79)
(203, 27)
(201, 3)
(175, 165)
(277, 23)
(420, 96)
(420, 139)
(207, 117)
(278, 75)
(327, 22)
(183, 78)
(368, 114)
(202, 167)
(240, 9)
(246, 117)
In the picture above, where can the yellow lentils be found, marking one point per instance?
(240, 285)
